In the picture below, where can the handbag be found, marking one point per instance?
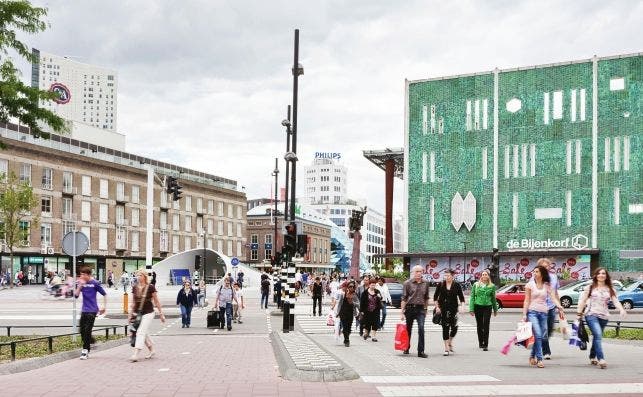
(437, 317)
(330, 319)
(139, 317)
(401, 337)
(523, 331)
(582, 335)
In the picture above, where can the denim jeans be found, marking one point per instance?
(186, 314)
(539, 327)
(383, 315)
(551, 320)
(264, 300)
(419, 314)
(596, 325)
(227, 312)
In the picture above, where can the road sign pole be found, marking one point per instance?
(74, 284)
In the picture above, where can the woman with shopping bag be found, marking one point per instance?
(535, 310)
(347, 308)
(596, 297)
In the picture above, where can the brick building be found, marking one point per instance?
(102, 192)
(536, 161)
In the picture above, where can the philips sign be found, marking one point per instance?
(328, 155)
(578, 242)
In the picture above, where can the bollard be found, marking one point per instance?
(125, 302)
(50, 344)
(286, 321)
(618, 328)
(291, 317)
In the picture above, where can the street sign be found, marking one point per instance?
(268, 246)
(234, 262)
(254, 246)
(77, 247)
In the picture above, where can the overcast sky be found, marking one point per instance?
(205, 84)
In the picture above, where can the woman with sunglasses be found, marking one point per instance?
(346, 309)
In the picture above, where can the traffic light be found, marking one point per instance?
(290, 239)
(197, 262)
(172, 187)
(302, 244)
(176, 195)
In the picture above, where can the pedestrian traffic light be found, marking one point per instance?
(197, 262)
(290, 239)
(495, 257)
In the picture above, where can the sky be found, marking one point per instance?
(205, 84)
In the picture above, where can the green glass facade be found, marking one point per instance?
(552, 155)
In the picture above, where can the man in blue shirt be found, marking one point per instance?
(89, 287)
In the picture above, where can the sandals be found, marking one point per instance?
(602, 364)
(532, 361)
(540, 364)
(593, 361)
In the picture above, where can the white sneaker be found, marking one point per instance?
(84, 354)
(547, 356)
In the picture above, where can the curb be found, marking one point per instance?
(29, 364)
(126, 316)
(289, 371)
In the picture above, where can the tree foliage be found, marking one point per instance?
(18, 100)
(17, 201)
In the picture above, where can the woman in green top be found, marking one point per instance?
(481, 302)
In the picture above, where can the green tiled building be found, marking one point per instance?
(538, 161)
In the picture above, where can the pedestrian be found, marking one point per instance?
(369, 310)
(238, 305)
(481, 302)
(346, 308)
(386, 299)
(265, 291)
(277, 289)
(598, 294)
(363, 286)
(334, 287)
(240, 278)
(201, 291)
(318, 293)
(186, 299)
(110, 279)
(153, 282)
(448, 298)
(125, 280)
(223, 302)
(552, 311)
(535, 310)
(415, 300)
(89, 287)
(144, 299)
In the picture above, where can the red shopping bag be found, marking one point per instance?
(401, 337)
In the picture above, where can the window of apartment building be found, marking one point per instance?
(239, 212)
(102, 213)
(136, 194)
(220, 228)
(210, 226)
(211, 207)
(239, 230)
(229, 248)
(45, 233)
(86, 188)
(210, 243)
(230, 229)
(162, 220)
(104, 189)
(199, 205)
(136, 216)
(188, 223)
(25, 173)
(135, 242)
(268, 238)
(230, 211)
(220, 245)
(175, 244)
(102, 238)
(120, 214)
(86, 211)
(239, 249)
(4, 167)
(199, 224)
(175, 221)
(120, 191)
(254, 239)
(68, 226)
(176, 205)
(68, 208)
(220, 209)
(254, 255)
(47, 178)
(188, 243)
(45, 205)
(86, 230)
(188, 203)
(68, 181)
(268, 254)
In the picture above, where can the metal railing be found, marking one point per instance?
(619, 325)
(50, 338)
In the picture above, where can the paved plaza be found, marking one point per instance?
(257, 359)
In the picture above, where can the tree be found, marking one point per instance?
(17, 200)
(18, 100)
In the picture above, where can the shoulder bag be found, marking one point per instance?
(139, 315)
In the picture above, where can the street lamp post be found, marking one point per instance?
(275, 173)
(205, 274)
(286, 123)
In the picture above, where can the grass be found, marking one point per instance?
(40, 348)
(625, 334)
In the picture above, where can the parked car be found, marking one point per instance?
(570, 294)
(631, 296)
(395, 289)
(511, 295)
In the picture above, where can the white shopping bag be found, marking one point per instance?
(564, 329)
(523, 331)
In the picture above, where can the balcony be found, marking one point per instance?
(122, 199)
(121, 238)
(66, 216)
(121, 222)
(47, 186)
(69, 190)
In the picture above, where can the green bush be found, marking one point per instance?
(40, 348)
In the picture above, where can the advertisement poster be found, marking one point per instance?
(574, 267)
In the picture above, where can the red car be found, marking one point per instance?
(511, 295)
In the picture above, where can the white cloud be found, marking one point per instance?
(205, 84)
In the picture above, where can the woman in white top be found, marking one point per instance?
(598, 294)
(535, 310)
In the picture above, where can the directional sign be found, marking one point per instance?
(234, 262)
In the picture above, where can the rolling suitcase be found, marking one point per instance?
(214, 319)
